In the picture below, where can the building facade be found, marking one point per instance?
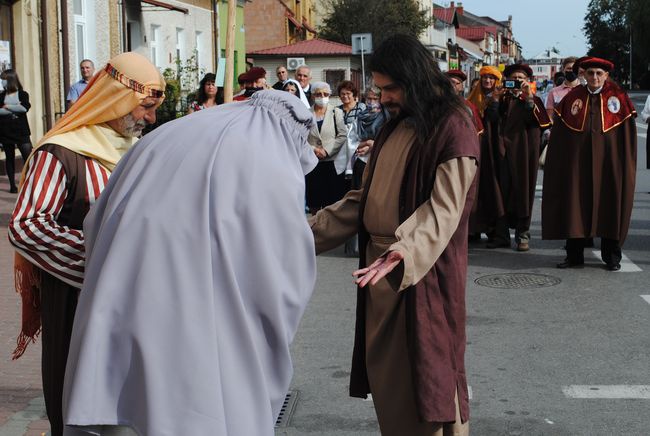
(276, 23)
(45, 40)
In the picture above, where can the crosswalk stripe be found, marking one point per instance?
(630, 392)
(626, 264)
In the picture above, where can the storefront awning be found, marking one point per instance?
(166, 6)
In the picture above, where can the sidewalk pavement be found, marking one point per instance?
(22, 410)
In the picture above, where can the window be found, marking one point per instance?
(180, 45)
(198, 47)
(83, 12)
(154, 44)
(334, 77)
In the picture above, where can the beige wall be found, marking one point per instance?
(28, 61)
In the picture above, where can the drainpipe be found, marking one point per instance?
(215, 34)
(65, 48)
(46, 67)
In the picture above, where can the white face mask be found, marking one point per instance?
(321, 101)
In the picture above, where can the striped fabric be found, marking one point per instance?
(33, 229)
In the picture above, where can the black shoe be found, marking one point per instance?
(13, 190)
(613, 266)
(567, 264)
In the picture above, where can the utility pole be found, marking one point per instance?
(230, 51)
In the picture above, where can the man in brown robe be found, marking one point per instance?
(522, 118)
(411, 215)
(590, 168)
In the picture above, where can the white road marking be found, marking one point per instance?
(646, 298)
(538, 187)
(626, 264)
(632, 392)
(642, 126)
(469, 390)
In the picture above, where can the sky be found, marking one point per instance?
(537, 25)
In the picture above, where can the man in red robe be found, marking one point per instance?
(590, 168)
(457, 78)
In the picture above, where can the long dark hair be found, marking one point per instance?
(13, 83)
(429, 96)
(201, 95)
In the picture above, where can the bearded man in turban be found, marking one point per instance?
(63, 177)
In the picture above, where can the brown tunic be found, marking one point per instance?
(590, 174)
(421, 238)
(489, 203)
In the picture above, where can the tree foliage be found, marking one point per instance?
(381, 18)
(608, 24)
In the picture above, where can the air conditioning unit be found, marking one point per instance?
(294, 63)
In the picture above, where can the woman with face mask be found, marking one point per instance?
(14, 128)
(326, 184)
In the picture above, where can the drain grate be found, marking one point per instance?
(288, 407)
(517, 281)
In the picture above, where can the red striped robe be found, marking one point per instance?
(33, 228)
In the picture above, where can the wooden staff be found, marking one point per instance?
(230, 51)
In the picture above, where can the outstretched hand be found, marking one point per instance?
(379, 269)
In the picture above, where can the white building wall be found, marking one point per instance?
(197, 20)
(318, 66)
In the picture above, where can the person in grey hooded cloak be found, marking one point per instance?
(200, 264)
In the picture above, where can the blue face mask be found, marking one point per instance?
(373, 107)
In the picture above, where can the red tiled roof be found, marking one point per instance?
(475, 33)
(444, 14)
(310, 47)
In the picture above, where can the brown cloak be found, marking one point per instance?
(590, 169)
(489, 203)
(435, 306)
(520, 133)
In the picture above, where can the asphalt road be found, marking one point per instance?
(569, 359)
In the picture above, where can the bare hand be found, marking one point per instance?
(320, 153)
(498, 93)
(364, 147)
(378, 270)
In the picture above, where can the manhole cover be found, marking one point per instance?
(288, 407)
(517, 281)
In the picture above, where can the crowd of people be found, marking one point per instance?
(408, 173)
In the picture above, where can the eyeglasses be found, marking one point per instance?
(321, 94)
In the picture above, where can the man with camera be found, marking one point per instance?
(522, 118)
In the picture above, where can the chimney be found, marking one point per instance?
(459, 9)
(452, 5)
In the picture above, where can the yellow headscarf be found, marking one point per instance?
(111, 94)
(476, 96)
